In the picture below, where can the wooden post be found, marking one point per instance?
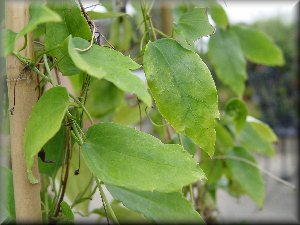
(22, 96)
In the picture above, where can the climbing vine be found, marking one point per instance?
(84, 137)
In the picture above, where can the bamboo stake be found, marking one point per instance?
(22, 94)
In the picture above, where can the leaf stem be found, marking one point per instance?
(114, 218)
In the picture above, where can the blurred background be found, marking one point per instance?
(272, 95)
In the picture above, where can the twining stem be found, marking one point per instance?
(47, 68)
(65, 180)
(83, 107)
(106, 203)
(256, 166)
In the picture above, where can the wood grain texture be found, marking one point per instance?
(27, 196)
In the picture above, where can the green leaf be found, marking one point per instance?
(219, 15)
(248, 177)
(39, 14)
(125, 157)
(237, 110)
(9, 40)
(183, 90)
(257, 136)
(67, 211)
(54, 150)
(258, 47)
(228, 60)
(72, 20)
(156, 206)
(128, 115)
(191, 26)
(44, 122)
(7, 203)
(104, 15)
(123, 214)
(101, 62)
(213, 169)
(120, 34)
(103, 98)
(224, 139)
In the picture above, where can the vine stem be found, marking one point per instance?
(257, 167)
(114, 218)
(83, 107)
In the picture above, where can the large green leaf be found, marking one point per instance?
(125, 157)
(72, 21)
(191, 26)
(257, 136)
(219, 15)
(7, 203)
(183, 90)
(44, 122)
(237, 110)
(156, 206)
(213, 168)
(258, 47)
(247, 176)
(228, 60)
(101, 62)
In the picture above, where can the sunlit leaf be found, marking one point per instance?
(183, 90)
(125, 157)
(192, 25)
(44, 122)
(219, 15)
(101, 62)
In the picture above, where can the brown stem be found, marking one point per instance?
(65, 180)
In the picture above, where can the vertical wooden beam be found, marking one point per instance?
(22, 96)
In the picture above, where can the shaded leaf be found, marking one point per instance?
(101, 62)
(156, 206)
(258, 47)
(54, 150)
(103, 98)
(67, 211)
(128, 115)
(228, 60)
(183, 90)
(257, 136)
(72, 20)
(125, 157)
(44, 122)
(191, 26)
(123, 214)
(7, 203)
(213, 169)
(224, 139)
(248, 177)
(237, 110)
